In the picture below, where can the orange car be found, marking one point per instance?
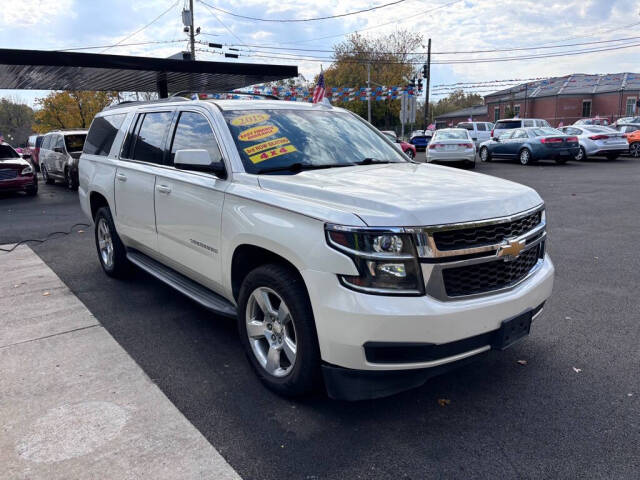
(634, 143)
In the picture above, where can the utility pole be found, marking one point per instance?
(428, 80)
(192, 32)
(369, 92)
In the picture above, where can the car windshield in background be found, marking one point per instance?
(451, 135)
(273, 140)
(513, 124)
(7, 152)
(541, 132)
(74, 143)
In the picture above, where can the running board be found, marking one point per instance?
(184, 285)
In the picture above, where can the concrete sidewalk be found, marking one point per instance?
(73, 404)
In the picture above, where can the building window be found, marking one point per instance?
(631, 107)
(496, 114)
(586, 108)
(516, 111)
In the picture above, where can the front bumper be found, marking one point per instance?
(463, 156)
(18, 184)
(346, 320)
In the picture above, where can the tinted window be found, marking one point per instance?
(74, 143)
(7, 152)
(528, 123)
(39, 141)
(467, 126)
(481, 127)
(102, 134)
(193, 131)
(509, 124)
(57, 141)
(149, 145)
(451, 135)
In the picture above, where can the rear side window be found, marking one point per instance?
(481, 127)
(102, 133)
(74, 143)
(529, 123)
(39, 141)
(194, 132)
(509, 124)
(466, 126)
(46, 142)
(149, 141)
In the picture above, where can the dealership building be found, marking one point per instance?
(558, 100)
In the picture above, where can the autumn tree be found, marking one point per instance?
(391, 63)
(70, 109)
(16, 120)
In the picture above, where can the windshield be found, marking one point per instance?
(74, 143)
(451, 135)
(541, 132)
(276, 139)
(7, 152)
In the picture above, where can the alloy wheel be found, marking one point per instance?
(525, 156)
(484, 154)
(105, 243)
(634, 149)
(580, 155)
(271, 332)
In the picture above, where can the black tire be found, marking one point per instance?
(634, 149)
(525, 157)
(410, 154)
(32, 191)
(45, 176)
(582, 155)
(304, 375)
(612, 156)
(69, 179)
(485, 155)
(120, 266)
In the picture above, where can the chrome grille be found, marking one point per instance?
(485, 235)
(8, 174)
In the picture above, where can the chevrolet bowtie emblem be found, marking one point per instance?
(511, 248)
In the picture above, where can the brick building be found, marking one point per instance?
(560, 99)
(567, 99)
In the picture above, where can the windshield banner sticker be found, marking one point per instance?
(260, 147)
(276, 152)
(258, 133)
(250, 119)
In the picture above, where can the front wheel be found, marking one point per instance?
(485, 156)
(45, 175)
(111, 250)
(277, 330)
(70, 180)
(525, 156)
(634, 149)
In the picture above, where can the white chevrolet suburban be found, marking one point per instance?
(345, 263)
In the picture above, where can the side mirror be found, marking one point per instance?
(198, 160)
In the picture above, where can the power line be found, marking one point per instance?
(221, 23)
(284, 20)
(119, 45)
(141, 29)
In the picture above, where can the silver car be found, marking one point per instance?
(452, 145)
(598, 141)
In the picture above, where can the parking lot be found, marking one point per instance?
(565, 403)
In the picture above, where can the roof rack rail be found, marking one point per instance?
(128, 103)
(249, 94)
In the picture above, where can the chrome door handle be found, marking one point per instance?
(163, 188)
(121, 176)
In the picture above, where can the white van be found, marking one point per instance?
(479, 131)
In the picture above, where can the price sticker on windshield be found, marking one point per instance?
(276, 152)
(250, 119)
(257, 133)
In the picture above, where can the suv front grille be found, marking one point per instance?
(485, 235)
(488, 276)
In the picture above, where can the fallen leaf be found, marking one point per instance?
(522, 362)
(443, 402)
(46, 294)
(577, 370)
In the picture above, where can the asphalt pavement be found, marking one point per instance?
(565, 403)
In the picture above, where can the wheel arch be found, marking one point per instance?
(96, 201)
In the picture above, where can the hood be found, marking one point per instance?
(13, 163)
(407, 194)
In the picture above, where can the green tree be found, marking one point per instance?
(391, 65)
(16, 120)
(70, 109)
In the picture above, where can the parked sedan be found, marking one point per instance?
(421, 140)
(16, 173)
(598, 141)
(592, 121)
(452, 145)
(531, 144)
(408, 149)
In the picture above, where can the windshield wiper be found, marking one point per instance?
(299, 167)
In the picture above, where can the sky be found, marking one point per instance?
(453, 26)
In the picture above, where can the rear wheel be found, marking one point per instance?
(111, 250)
(582, 155)
(485, 156)
(634, 149)
(45, 175)
(525, 156)
(70, 180)
(33, 189)
(277, 330)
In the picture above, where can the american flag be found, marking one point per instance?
(318, 93)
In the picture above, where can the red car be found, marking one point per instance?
(16, 173)
(407, 148)
(33, 149)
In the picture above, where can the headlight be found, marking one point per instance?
(26, 170)
(385, 258)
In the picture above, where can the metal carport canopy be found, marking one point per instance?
(54, 70)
